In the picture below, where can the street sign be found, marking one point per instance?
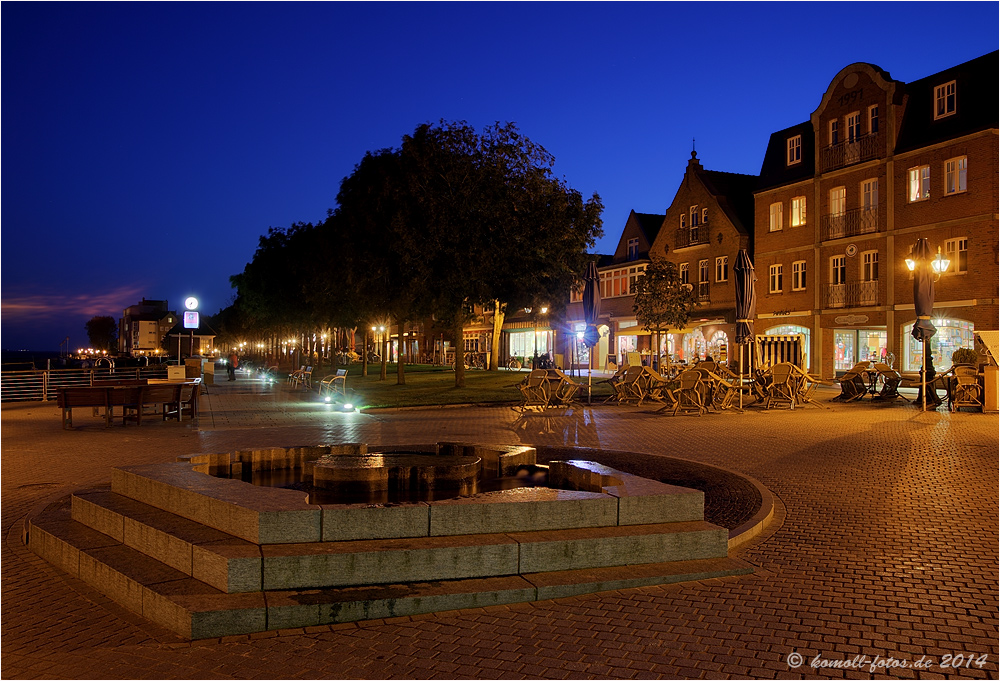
(190, 320)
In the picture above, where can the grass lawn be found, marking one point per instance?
(433, 385)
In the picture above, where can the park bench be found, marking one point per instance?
(68, 398)
(175, 399)
(335, 384)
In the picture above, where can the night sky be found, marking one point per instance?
(147, 146)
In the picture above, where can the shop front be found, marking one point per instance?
(952, 334)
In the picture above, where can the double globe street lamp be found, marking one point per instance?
(926, 271)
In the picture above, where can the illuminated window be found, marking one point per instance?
(838, 201)
(870, 266)
(794, 150)
(775, 217)
(869, 194)
(685, 273)
(798, 211)
(838, 270)
(955, 175)
(919, 183)
(957, 252)
(944, 100)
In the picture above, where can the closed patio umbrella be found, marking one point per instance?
(923, 303)
(746, 305)
(591, 310)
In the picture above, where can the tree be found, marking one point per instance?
(662, 301)
(489, 223)
(103, 333)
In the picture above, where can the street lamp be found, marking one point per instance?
(926, 271)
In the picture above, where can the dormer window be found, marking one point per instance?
(794, 145)
(944, 100)
(633, 249)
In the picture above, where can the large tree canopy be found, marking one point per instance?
(103, 333)
(662, 300)
(449, 220)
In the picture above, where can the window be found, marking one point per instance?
(870, 266)
(873, 119)
(775, 217)
(798, 211)
(834, 131)
(703, 270)
(704, 216)
(685, 273)
(694, 216)
(954, 175)
(799, 275)
(722, 268)
(794, 150)
(838, 270)
(838, 201)
(869, 194)
(684, 222)
(853, 126)
(633, 249)
(919, 183)
(957, 251)
(775, 278)
(944, 100)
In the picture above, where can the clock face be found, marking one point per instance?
(191, 303)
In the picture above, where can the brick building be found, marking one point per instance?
(709, 220)
(843, 197)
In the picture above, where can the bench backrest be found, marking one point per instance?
(124, 395)
(160, 394)
(82, 397)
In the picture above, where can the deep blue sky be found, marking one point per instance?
(147, 146)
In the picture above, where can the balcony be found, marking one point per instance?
(855, 294)
(847, 153)
(693, 236)
(852, 223)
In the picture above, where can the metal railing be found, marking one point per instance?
(692, 236)
(703, 292)
(854, 294)
(41, 385)
(852, 223)
(849, 152)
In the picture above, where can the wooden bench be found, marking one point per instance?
(68, 398)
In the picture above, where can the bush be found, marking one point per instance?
(965, 356)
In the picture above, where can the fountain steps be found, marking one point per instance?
(201, 582)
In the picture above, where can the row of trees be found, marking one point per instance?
(450, 219)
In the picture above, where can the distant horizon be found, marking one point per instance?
(148, 146)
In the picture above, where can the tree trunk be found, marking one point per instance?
(400, 376)
(383, 372)
(364, 351)
(459, 355)
(498, 317)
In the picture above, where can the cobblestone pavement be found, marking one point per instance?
(884, 544)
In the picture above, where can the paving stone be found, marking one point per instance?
(884, 539)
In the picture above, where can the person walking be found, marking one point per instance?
(234, 363)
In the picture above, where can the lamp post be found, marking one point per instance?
(926, 271)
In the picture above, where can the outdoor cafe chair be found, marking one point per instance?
(633, 385)
(852, 384)
(535, 390)
(724, 392)
(689, 395)
(965, 389)
(615, 381)
(784, 386)
(565, 390)
(891, 380)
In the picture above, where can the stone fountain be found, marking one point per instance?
(198, 548)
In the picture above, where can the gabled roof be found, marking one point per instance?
(774, 171)
(650, 224)
(976, 94)
(734, 192)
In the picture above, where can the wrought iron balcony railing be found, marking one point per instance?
(854, 294)
(849, 152)
(703, 292)
(692, 236)
(853, 222)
